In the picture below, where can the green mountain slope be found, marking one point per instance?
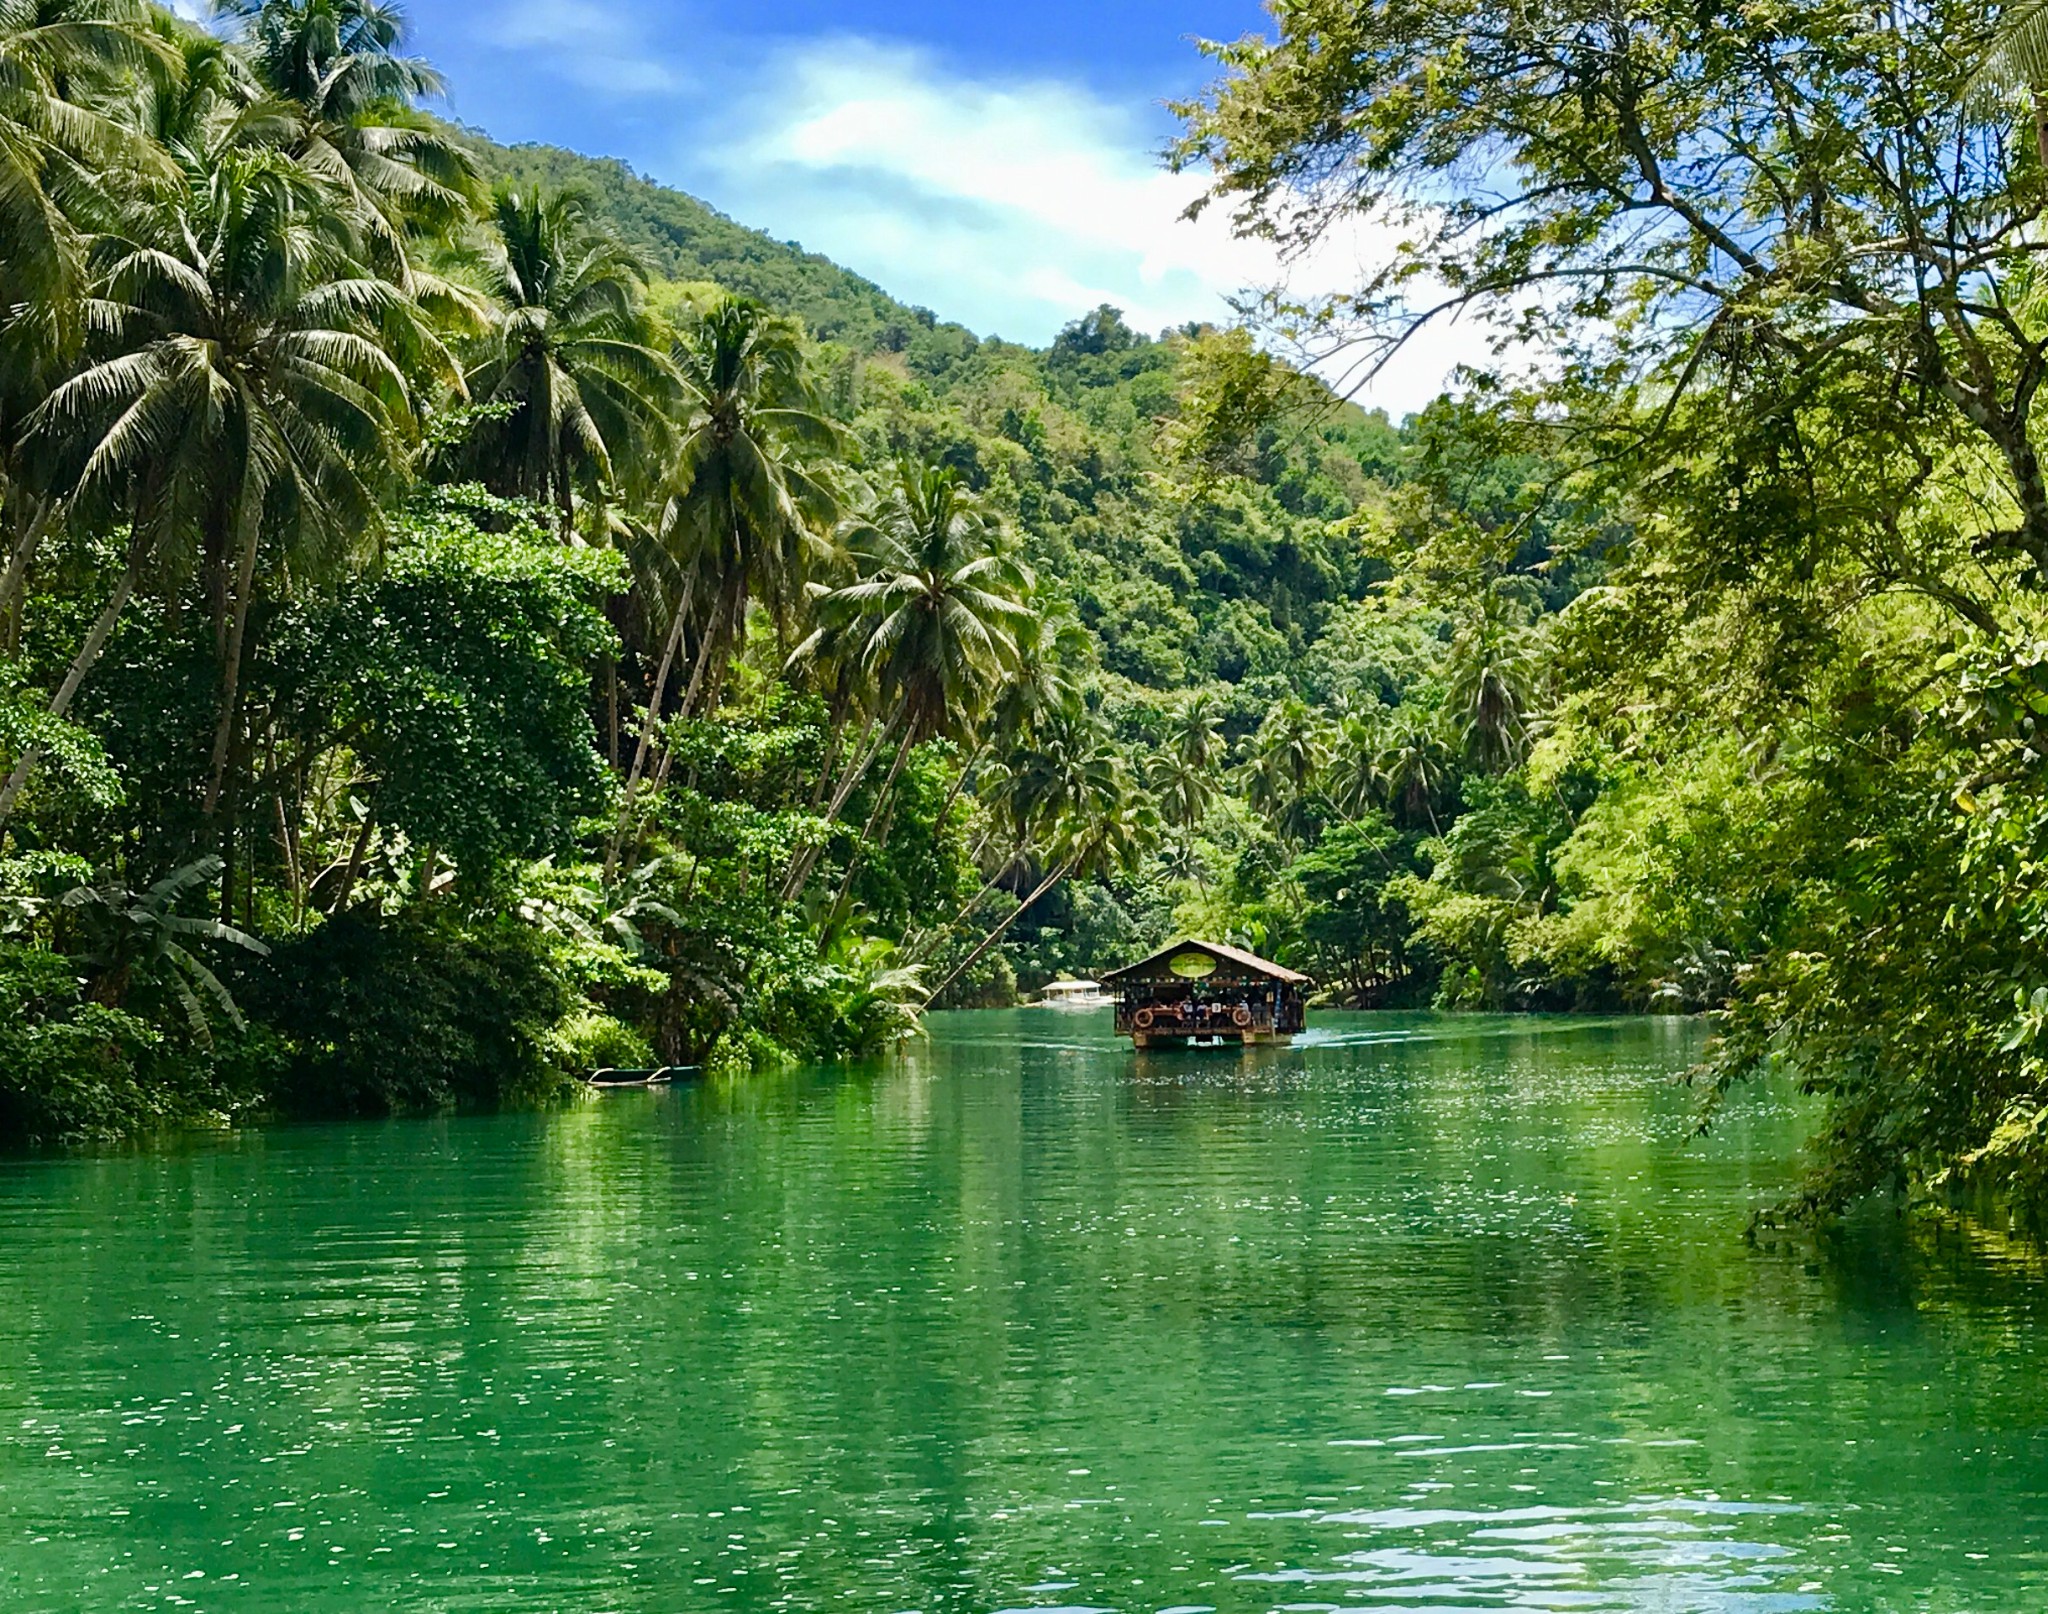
(1234, 590)
(685, 240)
(1231, 590)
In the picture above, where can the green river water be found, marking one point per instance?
(1425, 1315)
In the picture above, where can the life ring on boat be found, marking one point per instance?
(1240, 1017)
(1145, 1018)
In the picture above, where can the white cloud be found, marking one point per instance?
(594, 44)
(1011, 207)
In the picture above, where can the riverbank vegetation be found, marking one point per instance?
(1770, 279)
(470, 616)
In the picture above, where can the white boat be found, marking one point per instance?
(1074, 995)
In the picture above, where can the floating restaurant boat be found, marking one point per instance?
(1074, 995)
(1198, 993)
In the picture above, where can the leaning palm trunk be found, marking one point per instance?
(728, 622)
(960, 783)
(88, 655)
(805, 863)
(641, 751)
(928, 944)
(868, 829)
(1059, 873)
(702, 664)
(834, 741)
(797, 864)
(24, 554)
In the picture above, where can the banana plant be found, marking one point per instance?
(139, 941)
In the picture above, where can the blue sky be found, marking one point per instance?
(994, 161)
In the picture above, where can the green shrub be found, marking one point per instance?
(70, 1069)
(746, 1053)
(407, 1014)
(590, 1041)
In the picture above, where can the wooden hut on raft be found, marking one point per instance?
(1202, 992)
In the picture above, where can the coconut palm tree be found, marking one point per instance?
(567, 357)
(1078, 787)
(937, 600)
(241, 403)
(1352, 781)
(1039, 682)
(1185, 794)
(1414, 766)
(1494, 677)
(748, 506)
(933, 613)
(1048, 768)
(1183, 772)
(338, 63)
(745, 513)
(1051, 646)
(830, 663)
(1282, 764)
(1195, 735)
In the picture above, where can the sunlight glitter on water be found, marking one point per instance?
(1426, 1316)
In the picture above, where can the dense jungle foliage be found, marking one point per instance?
(470, 615)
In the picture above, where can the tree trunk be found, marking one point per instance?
(931, 942)
(60, 703)
(565, 501)
(806, 862)
(713, 631)
(661, 676)
(868, 829)
(230, 854)
(611, 715)
(356, 857)
(291, 852)
(799, 866)
(24, 554)
(834, 739)
(647, 727)
(960, 783)
(1058, 874)
(231, 664)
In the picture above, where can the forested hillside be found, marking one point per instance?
(472, 615)
(684, 242)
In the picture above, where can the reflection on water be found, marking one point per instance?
(1421, 1314)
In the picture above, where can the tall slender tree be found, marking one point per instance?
(338, 63)
(749, 504)
(934, 613)
(1074, 787)
(241, 408)
(583, 390)
(1492, 692)
(1282, 764)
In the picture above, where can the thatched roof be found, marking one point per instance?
(1158, 964)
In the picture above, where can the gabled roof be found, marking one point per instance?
(1221, 951)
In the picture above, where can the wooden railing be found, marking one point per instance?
(1162, 1020)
